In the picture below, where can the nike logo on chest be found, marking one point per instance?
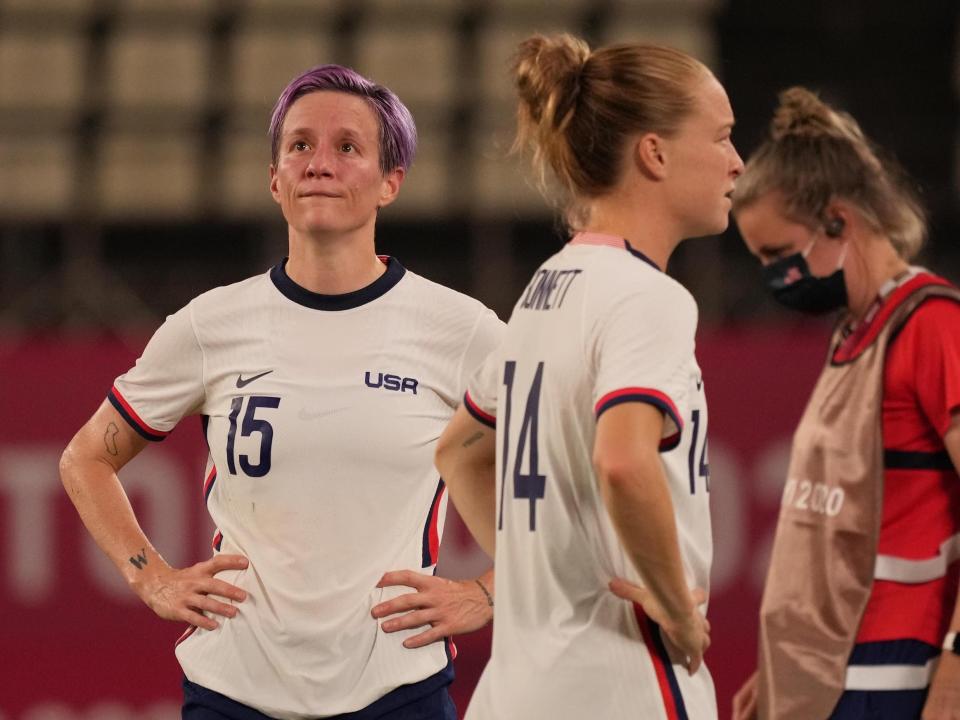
(243, 382)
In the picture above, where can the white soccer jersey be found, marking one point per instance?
(598, 325)
(321, 414)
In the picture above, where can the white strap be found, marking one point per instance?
(889, 567)
(890, 677)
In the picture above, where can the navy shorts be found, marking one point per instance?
(880, 705)
(200, 703)
(885, 704)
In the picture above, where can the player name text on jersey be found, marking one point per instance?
(548, 289)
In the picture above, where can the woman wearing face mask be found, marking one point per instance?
(861, 594)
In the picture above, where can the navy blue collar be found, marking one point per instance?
(637, 254)
(302, 296)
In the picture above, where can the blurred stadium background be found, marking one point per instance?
(133, 176)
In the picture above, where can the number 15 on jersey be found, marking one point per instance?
(529, 485)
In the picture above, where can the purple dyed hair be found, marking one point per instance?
(398, 133)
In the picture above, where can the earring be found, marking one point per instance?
(834, 227)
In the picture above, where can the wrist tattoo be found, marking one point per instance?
(485, 592)
(110, 439)
(138, 561)
(473, 438)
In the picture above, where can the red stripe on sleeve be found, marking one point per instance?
(639, 391)
(136, 418)
(477, 412)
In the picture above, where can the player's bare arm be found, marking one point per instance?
(88, 470)
(943, 701)
(627, 463)
(745, 700)
(466, 459)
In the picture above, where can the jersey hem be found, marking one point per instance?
(381, 707)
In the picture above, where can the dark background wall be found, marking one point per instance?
(98, 234)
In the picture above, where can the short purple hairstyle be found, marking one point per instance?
(398, 133)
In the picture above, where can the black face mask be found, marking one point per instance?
(793, 286)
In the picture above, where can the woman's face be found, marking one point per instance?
(327, 178)
(703, 163)
(770, 235)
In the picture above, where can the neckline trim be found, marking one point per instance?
(593, 238)
(346, 301)
(848, 349)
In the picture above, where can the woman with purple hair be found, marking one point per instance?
(323, 385)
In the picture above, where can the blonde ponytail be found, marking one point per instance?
(578, 108)
(815, 154)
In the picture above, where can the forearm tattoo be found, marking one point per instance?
(110, 439)
(138, 561)
(473, 438)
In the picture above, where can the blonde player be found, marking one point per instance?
(323, 385)
(594, 404)
(860, 610)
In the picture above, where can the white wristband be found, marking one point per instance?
(952, 642)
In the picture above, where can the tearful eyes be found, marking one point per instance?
(303, 146)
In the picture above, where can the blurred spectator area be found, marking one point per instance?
(134, 153)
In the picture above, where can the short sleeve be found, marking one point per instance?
(642, 350)
(166, 384)
(931, 339)
(487, 335)
(480, 398)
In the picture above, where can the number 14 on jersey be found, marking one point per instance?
(529, 485)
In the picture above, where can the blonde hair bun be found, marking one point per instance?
(548, 74)
(576, 108)
(815, 154)
(802, 113)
